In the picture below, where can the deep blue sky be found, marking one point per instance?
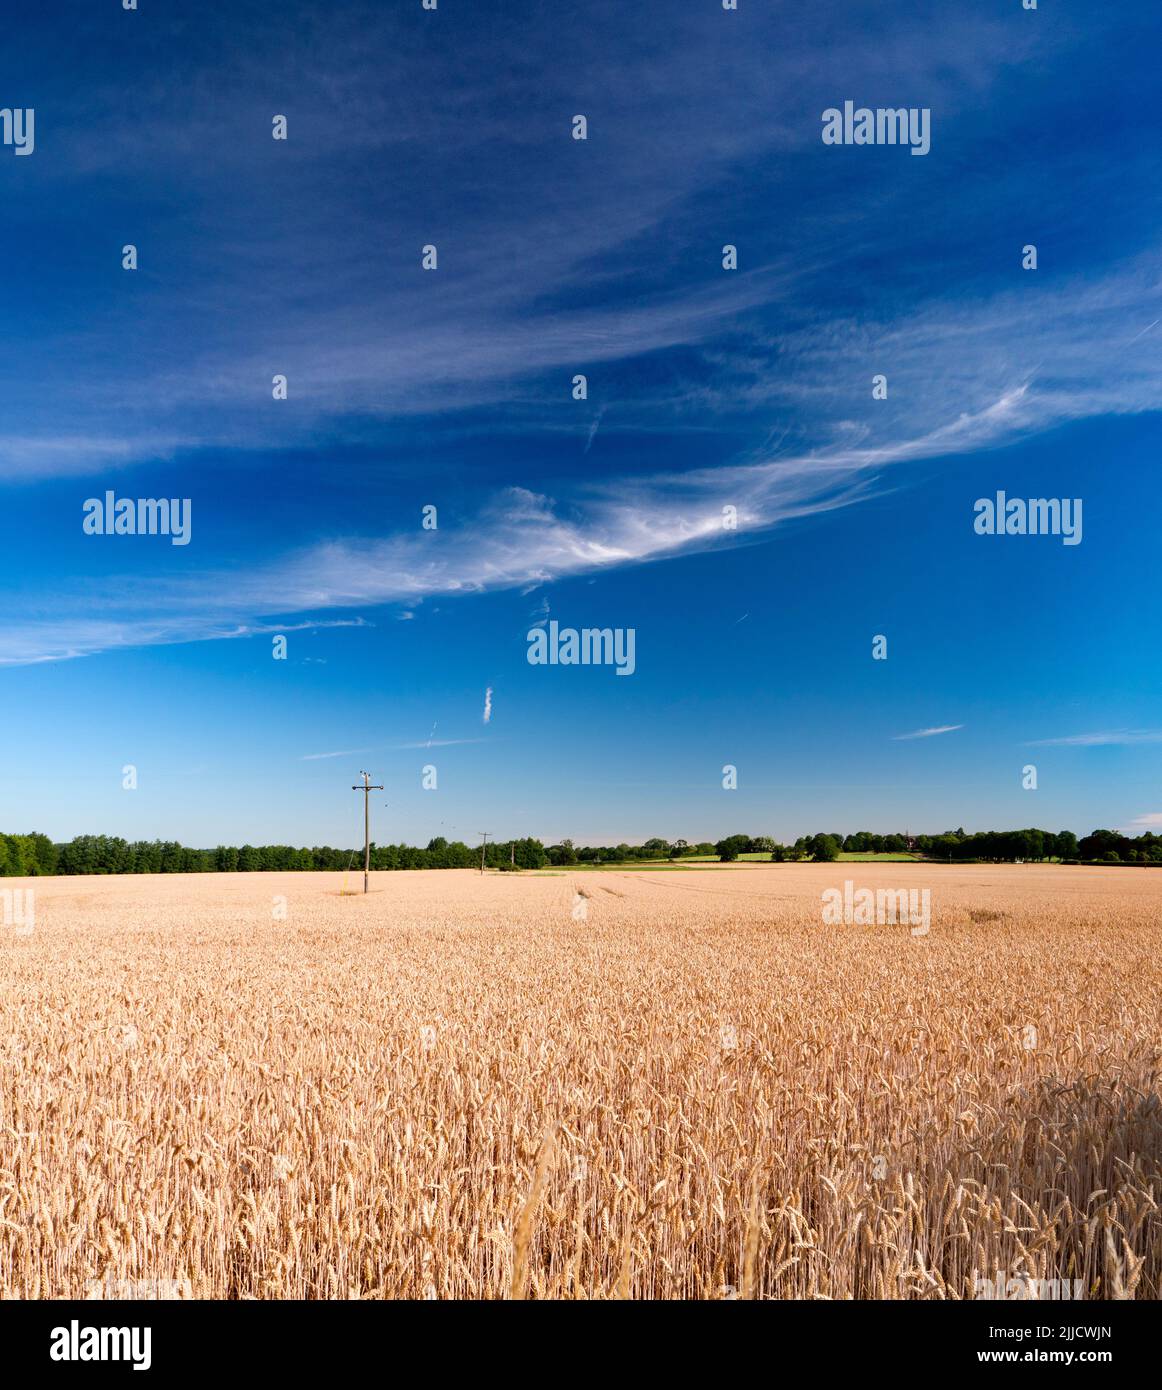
(707, 387)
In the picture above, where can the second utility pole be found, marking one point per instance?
(366, 789)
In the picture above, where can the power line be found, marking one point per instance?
(367, 788)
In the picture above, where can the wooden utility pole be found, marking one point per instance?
(483, 847)
(366, 789)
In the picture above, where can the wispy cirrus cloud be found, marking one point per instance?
(547, 269)
(549, 274)
(928, 733)
(518, 539)
(957, 383)
(395, 747)
(438, 743)
(1106, 738)
(33, 640)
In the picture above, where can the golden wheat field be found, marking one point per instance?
(660, 1084)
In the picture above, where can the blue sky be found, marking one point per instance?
(750, 388)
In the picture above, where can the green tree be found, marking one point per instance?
(730, 848)
(530, 854)
(44, 853)
(1066, 846)
(824, 849)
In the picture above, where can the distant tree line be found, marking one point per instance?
(28, 855)
(993, 846)
(34, 854)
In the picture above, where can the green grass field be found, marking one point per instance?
(892, 857)
(696, 861)
(627, 865)
(713, 858)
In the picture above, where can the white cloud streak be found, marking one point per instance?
(1108, 738)
(438, 743)
(519, 539)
